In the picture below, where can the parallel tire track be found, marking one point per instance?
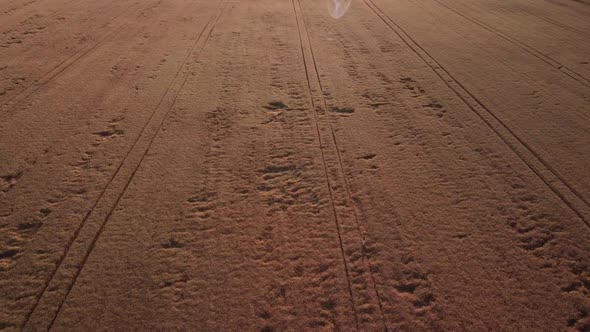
(83, 241)
(68, 62)
(531, 50)
(313, 74)
(569, 195)
(326, 171)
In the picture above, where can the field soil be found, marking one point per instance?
(262, 166)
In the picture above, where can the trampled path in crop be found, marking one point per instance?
(216, 165)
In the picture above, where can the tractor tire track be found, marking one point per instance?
(565, 191)
(82, 243)
(332, 159)
(346, 269)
